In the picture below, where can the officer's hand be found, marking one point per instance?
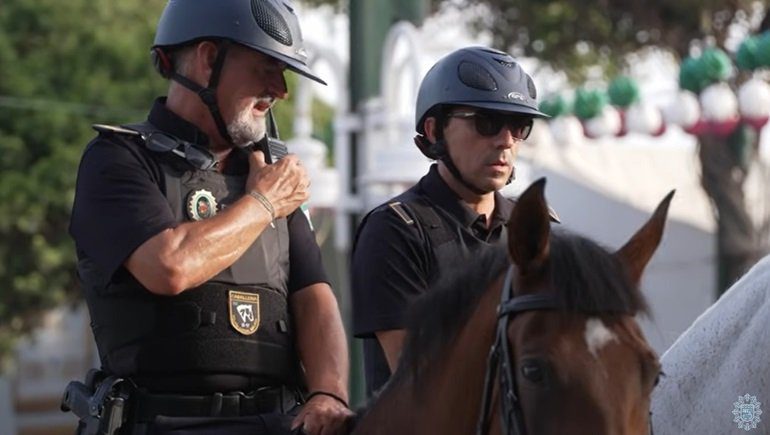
(322, 415)
(284, 183)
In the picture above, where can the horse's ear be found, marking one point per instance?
(529, 229)
(636, 253)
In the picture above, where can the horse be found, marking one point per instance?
(717, 372)
(554, 331)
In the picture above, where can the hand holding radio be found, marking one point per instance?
(285, 184)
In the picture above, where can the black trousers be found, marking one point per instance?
(265, 424)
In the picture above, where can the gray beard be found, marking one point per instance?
(244, 130)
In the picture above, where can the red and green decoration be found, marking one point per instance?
(719, 111)
(705, 103)
(615, 111)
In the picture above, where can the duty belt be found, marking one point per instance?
(273, 399)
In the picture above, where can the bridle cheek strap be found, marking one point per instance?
(500, 359)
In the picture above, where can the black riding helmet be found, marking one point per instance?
(477, 77)
(268, 26)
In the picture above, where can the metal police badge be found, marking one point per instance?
(201, 204)
(747, 412)
(244, 311)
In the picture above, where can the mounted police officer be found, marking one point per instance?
(474, 107)
(208, 300)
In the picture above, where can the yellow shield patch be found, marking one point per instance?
(244, 311)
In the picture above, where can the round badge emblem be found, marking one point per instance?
(201, 204)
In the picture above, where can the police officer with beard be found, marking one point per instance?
(204, 283)
(474, 107)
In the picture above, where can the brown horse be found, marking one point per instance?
(564, 346)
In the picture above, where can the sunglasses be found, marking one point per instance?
(198, 157)
(490, 123)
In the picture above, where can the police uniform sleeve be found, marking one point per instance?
(305, 263)
(118, 203)
(389, 271)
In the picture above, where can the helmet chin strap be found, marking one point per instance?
(444, 156)
(208, 95)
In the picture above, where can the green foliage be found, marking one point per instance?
(575, 36)
(64, 65)
(623, 91)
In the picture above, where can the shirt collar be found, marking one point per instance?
(163, 118)
(443, 196)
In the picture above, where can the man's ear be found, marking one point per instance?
(430, 128)
(205, 57)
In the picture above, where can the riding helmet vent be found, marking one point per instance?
(531, 88)
(271, 22)
(475, 76)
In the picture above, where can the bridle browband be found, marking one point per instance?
(500, 359)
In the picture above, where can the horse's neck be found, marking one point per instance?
(460, 379)
(447, 397)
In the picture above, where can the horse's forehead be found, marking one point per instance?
(597, 335)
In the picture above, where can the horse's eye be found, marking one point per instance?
(533, 371)
(657, 378)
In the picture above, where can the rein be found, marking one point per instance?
(500, 359)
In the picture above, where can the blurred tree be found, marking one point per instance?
(574, 36)
(64, 65)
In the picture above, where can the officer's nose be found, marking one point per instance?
(507, 138)
(276, 86)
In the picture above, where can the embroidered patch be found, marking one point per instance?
(244, 311)
(201, 204)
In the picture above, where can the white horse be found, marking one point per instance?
(717, 373)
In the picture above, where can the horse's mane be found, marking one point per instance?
(585, 277)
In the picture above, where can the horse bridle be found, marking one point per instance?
(500, 359)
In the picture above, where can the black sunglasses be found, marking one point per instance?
(197, 156)
(490, 123)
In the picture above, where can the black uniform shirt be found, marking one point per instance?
(392, 264)
(120, 203)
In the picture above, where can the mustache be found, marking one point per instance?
(267, 100)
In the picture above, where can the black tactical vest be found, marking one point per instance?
(449, 246)
(237, 323)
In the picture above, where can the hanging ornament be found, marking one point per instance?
(716, 65)
(747, 57)
(644, 118)
(720, 109)
(683, 111)
(607, 123)
(589, 103)
(691, 77)
(763, 50)
(555, 105)
(566, 130)
(754, 102)
(623, 92)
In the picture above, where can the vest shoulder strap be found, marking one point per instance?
(113, 129)
(426, 217)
